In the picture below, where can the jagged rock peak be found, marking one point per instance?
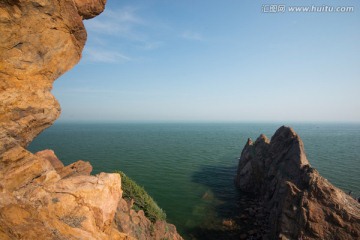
(300, 202)
(249, 142)
(286, 132)
(262, 139)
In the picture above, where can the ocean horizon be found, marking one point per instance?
(189, 167)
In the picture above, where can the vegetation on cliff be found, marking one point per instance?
(142, 200)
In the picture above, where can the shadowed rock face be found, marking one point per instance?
(301, 203)
(39, 197)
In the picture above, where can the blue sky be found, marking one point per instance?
(182, 60)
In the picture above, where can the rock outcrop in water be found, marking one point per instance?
(39, 197)
(300, 204)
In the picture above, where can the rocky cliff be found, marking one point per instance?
(39, 197)
(298, 203)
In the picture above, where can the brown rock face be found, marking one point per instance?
(40, 40)
(301, 204)
(51, 157)
(138, 226)
(75, 169)
(90, 8)
(39, 197)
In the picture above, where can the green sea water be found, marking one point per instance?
(188, 168)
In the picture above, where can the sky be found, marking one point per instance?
(216, 61)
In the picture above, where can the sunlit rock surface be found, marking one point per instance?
(39, 197)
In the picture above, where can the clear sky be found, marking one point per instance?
(212, 60)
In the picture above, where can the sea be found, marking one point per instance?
(189, 168)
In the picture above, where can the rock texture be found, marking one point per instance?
(300, 204)
(137, 225)
(51, 157)
(39, 197)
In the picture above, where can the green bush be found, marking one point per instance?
(142, 200)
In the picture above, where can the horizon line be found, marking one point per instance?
(283, 122)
